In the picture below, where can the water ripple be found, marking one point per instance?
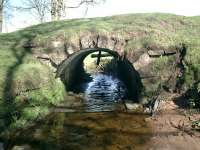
(103, 92)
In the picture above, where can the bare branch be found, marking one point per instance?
(55, 9)
(81, 3)
(49, 59)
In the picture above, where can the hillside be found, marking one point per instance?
(28, 86)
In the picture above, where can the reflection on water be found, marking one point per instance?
(103, 92)
(90, 130)
(87, 131)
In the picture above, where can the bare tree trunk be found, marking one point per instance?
(56, 9)
(1, 15)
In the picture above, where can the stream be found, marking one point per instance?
(99, 127)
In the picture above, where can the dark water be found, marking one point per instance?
(103, 92)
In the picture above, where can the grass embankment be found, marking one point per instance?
(28, 87)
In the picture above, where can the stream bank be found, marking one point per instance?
(172, 127)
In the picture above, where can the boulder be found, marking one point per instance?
(133, 106)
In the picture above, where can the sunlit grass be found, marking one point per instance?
(162, 30)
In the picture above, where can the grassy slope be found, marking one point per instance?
(19, 70)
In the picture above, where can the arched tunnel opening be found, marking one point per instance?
(103, 73)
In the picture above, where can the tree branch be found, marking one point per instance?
(49, 59)
(81, 3)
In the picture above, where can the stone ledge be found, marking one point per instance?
(158, 53)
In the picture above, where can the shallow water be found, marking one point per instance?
(87, 131)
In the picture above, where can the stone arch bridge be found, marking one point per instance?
(70, 70)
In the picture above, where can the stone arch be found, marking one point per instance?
(71, 68)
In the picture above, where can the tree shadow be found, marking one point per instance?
(22, 42)
(8, 93)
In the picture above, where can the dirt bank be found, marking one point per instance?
(172, 128)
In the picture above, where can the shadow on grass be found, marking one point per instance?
(8, 95)
(25, 37)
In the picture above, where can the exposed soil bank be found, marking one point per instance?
(172, 129)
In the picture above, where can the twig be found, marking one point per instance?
(49, 59)
(182, 127)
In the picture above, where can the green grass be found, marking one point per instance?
(20, 71)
